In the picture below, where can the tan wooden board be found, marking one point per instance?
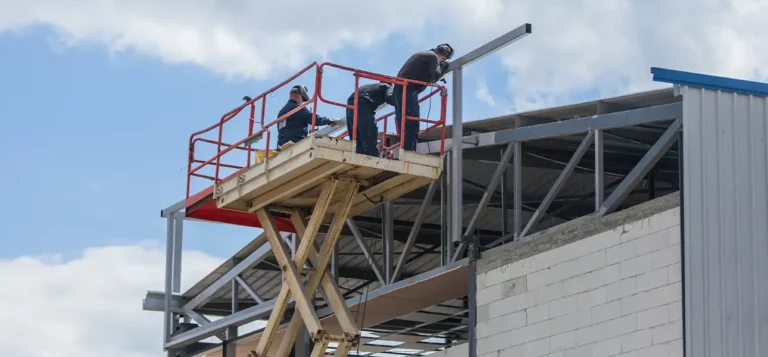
(291, 177)
(380, 308)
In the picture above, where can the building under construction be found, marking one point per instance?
(634, 225)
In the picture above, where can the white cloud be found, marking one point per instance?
(606, 46)
(89, 306)
(483, 94)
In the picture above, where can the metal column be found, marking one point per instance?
(388, 236)
(168, 279)
(457, 156)
(599, 185)
(517, 163)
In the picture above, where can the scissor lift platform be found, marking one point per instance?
(292, 179)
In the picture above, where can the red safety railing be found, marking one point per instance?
(223, 148)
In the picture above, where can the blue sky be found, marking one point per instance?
(97, 141)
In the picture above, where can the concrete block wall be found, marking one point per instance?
(613, 293)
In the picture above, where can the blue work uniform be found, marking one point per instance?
(422, 66)
(296, 126)
(370, 97)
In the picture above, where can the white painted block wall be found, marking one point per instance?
(617, 293)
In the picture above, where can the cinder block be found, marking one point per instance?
(651, 351)
(483, 313)
(649, 299)
(666, 219)
(673, 235)
(564, 306)
(556, 354)
(537, 313)
(652, 242)
(605, 312)
(653, 317)
(607, 348)
(564, 323)
(492, 354)
(508, 272)
(501, 290)
(514, 351)
(652, 279)
(674, 273)
(552, 274)
(537, 348)
(621, 326)
(636, 340)
(621, 252)
(669, 332)
(583, 351)
(522, 335)
(522, 301)
(676, 310)
(480, 281)
(565, 341)
(593, 280)
(501, 324)
(591, 262)
(598, 242)
(621, 289)
(545, 294)
(675, 348)
(652, 261)
(591, 298)
(546, 260)
(589, 334)
(496, 342)
(636, 229)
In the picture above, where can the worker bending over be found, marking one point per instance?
(370, 97)
(294, 127)
(425, 66)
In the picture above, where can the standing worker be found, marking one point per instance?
(370, 97)
(425, 66)
(294, 127)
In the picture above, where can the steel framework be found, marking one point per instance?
(459, 244)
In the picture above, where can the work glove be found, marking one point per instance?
(444, 65)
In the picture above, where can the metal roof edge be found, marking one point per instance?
(709, 81)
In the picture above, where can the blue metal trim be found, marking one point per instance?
(709, 82)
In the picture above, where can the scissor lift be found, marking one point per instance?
(318, 181)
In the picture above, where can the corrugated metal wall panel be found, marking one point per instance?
(726, 223)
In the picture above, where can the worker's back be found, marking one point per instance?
(421, 66)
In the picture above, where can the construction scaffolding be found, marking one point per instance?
(315, 273)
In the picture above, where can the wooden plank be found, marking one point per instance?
(292, 187)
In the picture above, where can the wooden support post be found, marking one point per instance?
(343, 349)
(307, 311)
(320, 347)
(319, 276)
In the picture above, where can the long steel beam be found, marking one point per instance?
(252, 259)
(491, 47)
(561, 128)
(237, 319)
(641, 169)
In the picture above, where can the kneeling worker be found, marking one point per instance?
(425, 66)
(295, 127)
(370, 97)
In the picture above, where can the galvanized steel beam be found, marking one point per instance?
(641, 169)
